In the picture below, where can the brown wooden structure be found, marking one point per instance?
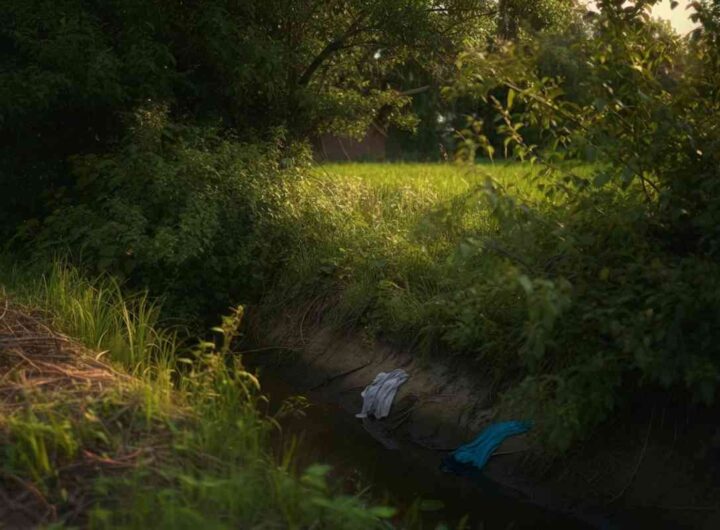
(332, 148)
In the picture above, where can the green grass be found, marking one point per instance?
(381, 241)
(98, 314)
(557, 289)
(445, 181)
(193, 415)
(560, 291)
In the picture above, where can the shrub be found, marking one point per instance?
(636, 245)
(184, 211)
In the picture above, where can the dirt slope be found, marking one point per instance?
(656, 464)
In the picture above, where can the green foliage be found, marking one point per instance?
(558, 289)
(635, 245)
(220, 472)
(211, 461)
(66, 80)
(35, 443)
(423, 254)
(569, 284)
(647, 110)
(178, 210)
(74, 75)
(98, 314)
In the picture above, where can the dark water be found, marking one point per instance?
(405, 476)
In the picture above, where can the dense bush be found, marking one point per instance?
(142, 135)
(72, 74)
(636, 246)
(183, 210)
(570, 303)
(598, 309)
(67, 77)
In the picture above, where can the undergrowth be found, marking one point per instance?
(561, 290)
(139, 431)
(556, 288)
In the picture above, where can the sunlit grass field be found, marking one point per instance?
(388, 243)
(506, 267)
(443, 179)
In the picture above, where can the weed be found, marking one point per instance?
(176, 435)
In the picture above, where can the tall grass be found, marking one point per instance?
(99, 315)
(533, 275)
(446, 181)
(380, 242)
(194, 412)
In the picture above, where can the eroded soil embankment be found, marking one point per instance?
(656, 465)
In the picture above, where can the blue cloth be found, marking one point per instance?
(479, 451)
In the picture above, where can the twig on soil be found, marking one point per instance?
(305, 314)
(26, 359)
(124, 461)
(330, 379)
(38, 338)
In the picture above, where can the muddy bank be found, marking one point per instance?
(656, 466)
(404, 477)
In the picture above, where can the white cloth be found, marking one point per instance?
(378, 396)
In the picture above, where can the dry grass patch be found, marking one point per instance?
(66, 418)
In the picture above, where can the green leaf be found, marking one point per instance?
(601, 179)
(526, 283)
(383, 512)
